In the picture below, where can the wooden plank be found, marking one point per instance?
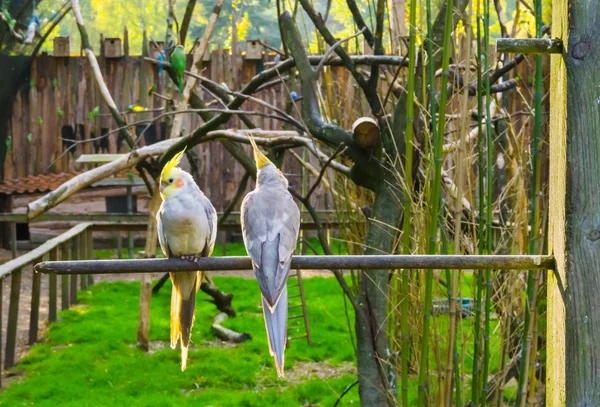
(64, 280)
(34, 312)
(77, 217)
(30, 257)
(574, 208)
(13, 318)
(98, 158)
(52, 289)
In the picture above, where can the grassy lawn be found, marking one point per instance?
(89, 357)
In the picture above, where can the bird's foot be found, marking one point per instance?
(191, 257)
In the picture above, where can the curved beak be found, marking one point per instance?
(259, 157)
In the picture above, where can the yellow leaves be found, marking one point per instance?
(242, 27)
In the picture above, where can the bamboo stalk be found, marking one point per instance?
(480, 237)
(489, 200)
(452, 360)
(535, 218)
(436, 197)
(406, 226)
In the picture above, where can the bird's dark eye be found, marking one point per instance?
(170, 180)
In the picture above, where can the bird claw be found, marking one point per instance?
(191, 257)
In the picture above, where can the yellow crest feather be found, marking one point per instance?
(259, 157)
(173, 162)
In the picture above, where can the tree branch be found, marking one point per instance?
(199, 51)
(330, 134)
(185, 23)
(112, 106)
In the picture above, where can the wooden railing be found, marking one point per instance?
(74, 244)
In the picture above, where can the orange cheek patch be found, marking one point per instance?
(178, 183)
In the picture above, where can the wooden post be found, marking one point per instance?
(81, 254)
(90, 252)
(52, 289)
(146, 283)
(34, 312)
(74, 244)
(129, 234)
(13, 239)
(574, 210)
(119, 245)
(13, 317)
(64, 280)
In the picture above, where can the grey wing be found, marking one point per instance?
(271, 223)
(211, 215)
(162, 238)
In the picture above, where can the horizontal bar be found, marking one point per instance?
(302, 262)
(529, 45)
(138, 218)
(141, 218)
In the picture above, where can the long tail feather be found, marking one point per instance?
(180, 86)
(276, 323)
(183, 306)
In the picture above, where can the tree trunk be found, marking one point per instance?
(377, 386)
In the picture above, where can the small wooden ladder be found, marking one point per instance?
(295, 310)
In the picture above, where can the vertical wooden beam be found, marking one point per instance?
(146, 283)
(574, 229)
(13, 317)
(81, 255)
(90, 252)
(64, 279)
(129, 234)
(13, 239)
(52, 289)
(74, 243)
(119, 245)
(34, 312)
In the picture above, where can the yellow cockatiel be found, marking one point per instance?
(187, 228)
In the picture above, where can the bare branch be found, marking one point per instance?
(81, 181)
(340, 150)
(196, 67)
(331, 49)
(185, 23)
(112, 106)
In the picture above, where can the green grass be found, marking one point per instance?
(89, 357)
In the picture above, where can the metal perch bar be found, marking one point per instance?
(302, 262)
(529, 45)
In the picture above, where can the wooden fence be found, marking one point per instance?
(76, 243)
(51, 122)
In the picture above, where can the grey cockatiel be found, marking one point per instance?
(270, 224)
(187, 228)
